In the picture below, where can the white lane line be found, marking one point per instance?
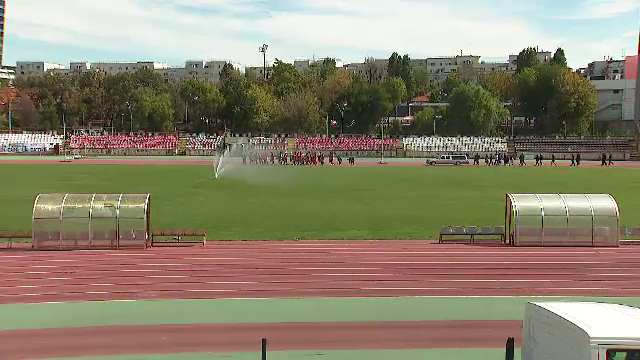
(162, 264)
(335, 268)
(166, 276)
(99, 285)
(506, 289)
(138, 270)
(354, 274)
(114, 254)
(37, 272)
(479, 262)
(42, 266)
(232, 282)
(223, 258)
(209, 290)
(64, 260)
(60, 278)
(409, 251)
(97, 292)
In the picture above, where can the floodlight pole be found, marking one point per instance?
(382, 142)
(263, 50)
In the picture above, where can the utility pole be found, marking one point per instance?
(263, 50)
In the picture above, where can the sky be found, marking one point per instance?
(173, 31)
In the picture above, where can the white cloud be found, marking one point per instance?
(604, 9)
(237, 27)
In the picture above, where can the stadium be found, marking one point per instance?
(178, 244)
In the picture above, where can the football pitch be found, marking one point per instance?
(322, 203)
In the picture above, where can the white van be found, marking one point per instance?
(449, 160)
(581, 331)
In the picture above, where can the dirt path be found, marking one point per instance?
(170, 339)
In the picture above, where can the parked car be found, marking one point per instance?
(449, 160)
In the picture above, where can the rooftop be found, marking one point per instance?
(599, 320)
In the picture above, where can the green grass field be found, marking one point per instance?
(314, 202)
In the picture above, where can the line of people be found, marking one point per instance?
(295, 158)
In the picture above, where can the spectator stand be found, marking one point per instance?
(589, 148)
(124, 145)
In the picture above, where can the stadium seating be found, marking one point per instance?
(28, 142)
(344, 143)
(573, 145)
(264, 143)
(124, 142)
(434, 144)
(204, 142)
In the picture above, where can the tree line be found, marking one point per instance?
(549, 96)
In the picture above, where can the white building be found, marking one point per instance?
(35, 68)
(605, 70)
(543, 57)
(193, 69)
(304, 65)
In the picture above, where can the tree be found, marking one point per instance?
(367, 104)
(394, 69)
(285, 79)
(450, 84)
(333, 92)
(527, 58)
(559, 58)
(473, 110)
(395, 89)
(500, 84)
(203, 101)
(422, 123)
(301, 114)
(234, 112)
(262, 108)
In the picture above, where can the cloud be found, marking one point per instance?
(603, 9)
(233, 29)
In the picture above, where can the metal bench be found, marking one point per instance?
(485, 231)
(453, 232)
(194, 237)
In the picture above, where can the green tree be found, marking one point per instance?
(262, 108)
(559, 58)
(527, 58)
(367, 105)
(500, 84)
(203, 101)
(422, 123)
(234, 114)
(474, 111)
(394, 69)
(285, 79)
(395, 89)
(301, 114)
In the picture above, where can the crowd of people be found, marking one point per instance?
(309, 158)
(507, 160)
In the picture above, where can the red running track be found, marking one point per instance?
(317, 269)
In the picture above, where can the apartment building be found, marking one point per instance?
(615, 82)
(439, 68)
(193, 69)
(304, 65)
(35, 68)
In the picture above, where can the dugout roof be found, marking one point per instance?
(562, 220)
(91, 221)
